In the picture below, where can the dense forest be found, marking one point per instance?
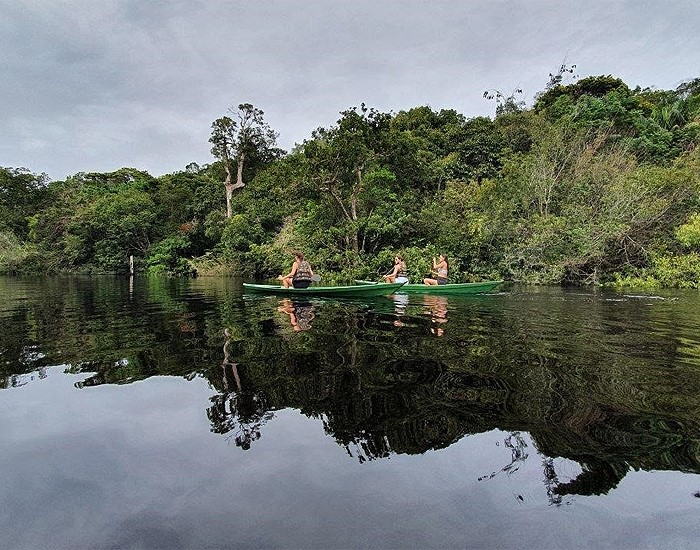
(595, 183)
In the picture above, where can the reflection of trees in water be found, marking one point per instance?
(382, 390)
(610, 443)
(378, 397)
(102, 326)
(368, 448)
(240, 416)
(551, 482)
(517, 445)
(239, 413)
(18, 380)
(598, 478)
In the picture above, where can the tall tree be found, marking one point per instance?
(21, 195)
(346, 164)
(240, 139)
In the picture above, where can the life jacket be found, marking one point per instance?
(402, 272)
(304, 315)
(303, 271)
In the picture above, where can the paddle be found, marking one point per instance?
(382, 280)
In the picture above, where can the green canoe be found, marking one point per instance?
(379, 289)
(455, 288)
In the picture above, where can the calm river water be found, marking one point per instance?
(185, 414)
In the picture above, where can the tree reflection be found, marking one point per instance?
(237, 413)
(615, 402)
(380, 395)
(518, 447)
(598, 478)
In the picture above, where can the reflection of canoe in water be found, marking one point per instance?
(379, 289)
(455, 288)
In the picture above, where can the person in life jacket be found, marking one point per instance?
(399, 274)
(300, 274)
(439, 270)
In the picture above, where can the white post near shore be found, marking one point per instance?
(131, 277)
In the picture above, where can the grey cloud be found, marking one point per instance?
(100, 85)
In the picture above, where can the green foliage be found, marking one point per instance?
(21, 195)
(346, 162)
(17, 257)
(240, 233)
(679, 271)
(593, 86)
(428, 148)
(117, 226)
(688, 234)
(266, 261)
(656, 126)
(682, 271)
(245, 141)
(96, 221)
(214, 225)
(517, 131)
(597, 183)
(167, 257)
(506, 104)
(538, 255)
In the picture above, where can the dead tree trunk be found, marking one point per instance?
(228, 182)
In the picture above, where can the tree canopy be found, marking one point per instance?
(597, 182)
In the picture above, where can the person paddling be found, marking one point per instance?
(300, 275)
(399, 274)
(440, 269)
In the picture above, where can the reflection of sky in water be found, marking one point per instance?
(608, 380)
(136, 465)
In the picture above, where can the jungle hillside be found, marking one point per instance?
(594, 183)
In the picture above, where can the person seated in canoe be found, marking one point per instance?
(301, 274)
(440, 270)
(399, 274)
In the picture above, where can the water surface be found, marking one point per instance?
(177, 414)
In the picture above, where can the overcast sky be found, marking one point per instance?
(96, 85)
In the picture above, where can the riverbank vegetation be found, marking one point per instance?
(595, 183)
